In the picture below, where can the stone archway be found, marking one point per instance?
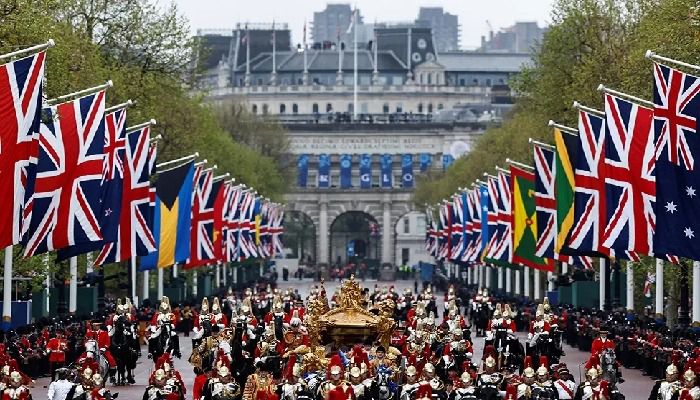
(354, 237)
(300, 236)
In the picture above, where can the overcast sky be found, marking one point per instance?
(473, 14)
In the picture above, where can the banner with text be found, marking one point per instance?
(407, 171)
(366, 171)
(324, 170)
(387, 179)
(425, 161)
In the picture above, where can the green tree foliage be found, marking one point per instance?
(145, 48)
(588, 42)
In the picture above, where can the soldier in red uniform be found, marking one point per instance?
(56, 348)
(103, 344)
(602, 342)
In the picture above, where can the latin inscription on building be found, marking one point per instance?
(365, 144)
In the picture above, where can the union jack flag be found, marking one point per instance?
(446, 232)
(676, 111)
(66, 199)
(202, 247)
(232, 225)
(20, 116)
(502, 250)
(135, 232)
(262, 230)
(474, 245)
(246, 239)
(545, 201)
(492, 216)
(112, 186)
(220, 213)
(630, 185)
(674, 117)
(276, 231)
(457, 228)
(589, 197)
(431, 245)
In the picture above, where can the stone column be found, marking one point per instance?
(659, 309)
(602, 283)
(323, 256)
(517, 282)
(538, 283)
(526, 282)
(696, 293)
(509, 277)
(630, 287)
(500, 277)
(387, 234)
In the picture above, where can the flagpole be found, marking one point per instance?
(653, 56)
(590, 110)
(541, 144)
(48, 283)
(160, 283)
(354, 91)
(604, 89)
(73, 286)
(29, 50)
(140, 126)
(659, 304)
(80, 93)
(146, 286)
(563, 128)
(126, 104)
(630, 286)
(177, 160)
(519, 164)
(7, 290)
(696, 293)
(133, 277)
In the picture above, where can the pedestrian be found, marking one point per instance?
(59, 389)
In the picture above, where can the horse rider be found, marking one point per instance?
(218, 317)
(162, 319)
(543, 388)
(668, 388)
(594, 388)
(602, 342)
(202, 319)
(161, 387)
(538, 328)
(103, 343)
(690, 389)
(564, 382)
(222, 386)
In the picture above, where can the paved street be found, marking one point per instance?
(636, 386)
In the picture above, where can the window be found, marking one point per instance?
(462, 82)
(260, 81)
(254, 110)
(430, 78)
(420, 78)
(295, 108)
(488, 82)
(475, 82)
(314, 108)
(264, 109)
(399, 107)
(405, 253)
(406, 225)
(351, 108)
(430, 107)
(420, 107)
(316, 81)
(364, 108)
(385, 108)
(283, 108)
(329, 107)
(300, 81)
(440, 106)
(420, 223)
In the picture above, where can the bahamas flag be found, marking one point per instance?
(172, 218)
(524, 221)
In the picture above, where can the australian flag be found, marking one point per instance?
(676, 111)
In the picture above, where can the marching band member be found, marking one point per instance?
(56, 348)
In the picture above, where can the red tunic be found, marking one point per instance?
(199, 382)
(57, 348)
(599, 345)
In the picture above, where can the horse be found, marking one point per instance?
(125, 350)
(279, 326)
(382, 387)
(92, 348)
(481, 316)
(509, 350)
(541, 347)
(163, 341)
(608, 363)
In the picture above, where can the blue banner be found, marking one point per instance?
(366, 171)
(387, 178)
(345, 171)
(447, 160)
(407, 170)
(303, 170)
(425, 161)
(324, 171)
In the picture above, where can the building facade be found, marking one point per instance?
(445, 27)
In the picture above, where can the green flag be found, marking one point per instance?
(524, 221)
(564, 186)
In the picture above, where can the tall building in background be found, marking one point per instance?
(519, 38)
(445, 27)
(334, 21)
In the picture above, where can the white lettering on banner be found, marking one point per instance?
(364, 177)
(366, 144)
(408, 177)
(323, 178)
